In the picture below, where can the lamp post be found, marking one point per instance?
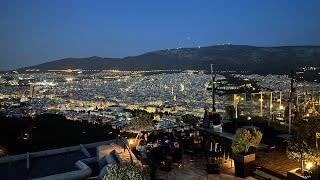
(125, 146)
(236, 100)
(235, 104)
(270, 109)
(261, 104)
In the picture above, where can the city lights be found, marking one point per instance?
(140, 90)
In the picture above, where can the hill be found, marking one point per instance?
(224, 57)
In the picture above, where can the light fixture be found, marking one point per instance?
(309, 165)
(131, 141)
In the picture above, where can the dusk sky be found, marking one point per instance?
(37, 31)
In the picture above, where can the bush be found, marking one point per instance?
(300, 151)
(244, 139)
(302, 146)
(190, 119)
(126, 171)
(142, 123)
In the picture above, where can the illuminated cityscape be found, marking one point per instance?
(154, 102)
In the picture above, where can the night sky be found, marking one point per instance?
(33, 32)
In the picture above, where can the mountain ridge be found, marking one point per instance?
(279, 59)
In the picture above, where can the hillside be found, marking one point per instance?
(224, 57)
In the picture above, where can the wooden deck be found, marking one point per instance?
(276, 162)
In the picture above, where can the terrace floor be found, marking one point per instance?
(41, 166)
(276, 161)
(196, 170)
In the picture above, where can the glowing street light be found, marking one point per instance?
(309, 165)
(236, 100)
(261, 104)
(131, 142)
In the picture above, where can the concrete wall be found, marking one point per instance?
(20, 157)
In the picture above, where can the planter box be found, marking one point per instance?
(244, 159)
(213, 168)
(244, 164)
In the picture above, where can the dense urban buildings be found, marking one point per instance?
(114, 100)
(159, 90)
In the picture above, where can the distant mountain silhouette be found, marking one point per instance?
(224, 57)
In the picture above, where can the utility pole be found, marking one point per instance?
(213, 75)
(261, 104)
(290, 100)
(304, 98)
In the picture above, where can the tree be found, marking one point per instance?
(244, 139)
(302, 147)
(307, 130)
(190, 119)
(142, 123)
(126, 171)
(299, 150)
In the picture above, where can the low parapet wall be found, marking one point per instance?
(50, 152)
(83, 172)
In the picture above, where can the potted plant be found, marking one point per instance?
(242, 147)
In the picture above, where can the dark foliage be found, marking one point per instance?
(49, 131)
(190, 119)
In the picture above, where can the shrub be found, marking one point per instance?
(244, 139)
(190, 119)
(126, 171)
(300, 151)
(141, 123)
